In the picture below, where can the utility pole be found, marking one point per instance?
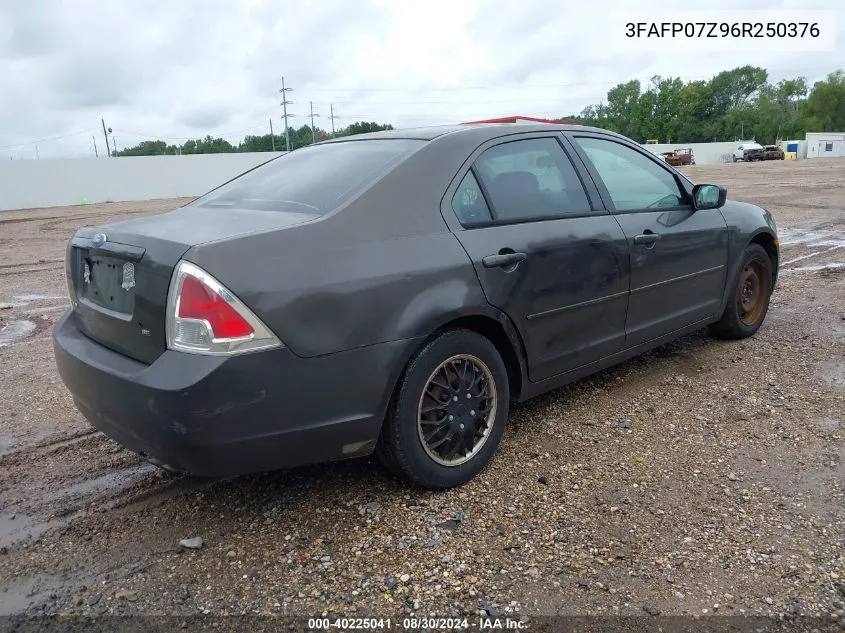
(285, 115)
(332, 116)
(108, 151)
(272, 140)
(313, 133)
(96, 153)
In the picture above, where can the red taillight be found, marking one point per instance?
(198, 301)
(205, 317)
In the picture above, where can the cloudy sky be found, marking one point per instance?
(178, 69)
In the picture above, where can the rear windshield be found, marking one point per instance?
(314, 179)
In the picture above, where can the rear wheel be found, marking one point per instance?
(448, 414)
(749, 302)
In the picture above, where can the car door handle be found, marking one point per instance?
(503, 260)
(646, 238)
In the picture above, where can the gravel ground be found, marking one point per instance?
(703, 478)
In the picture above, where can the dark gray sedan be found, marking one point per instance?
(395, 292)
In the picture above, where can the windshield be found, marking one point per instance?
(314, 179)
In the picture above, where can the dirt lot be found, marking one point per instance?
(703, 478)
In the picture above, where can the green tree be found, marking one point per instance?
(735, 88)
(734, 103)
(363, 127)
(209, 145)
(264, 143)
(621, 102)
(825, 108)
(692, 113)
(148, 148)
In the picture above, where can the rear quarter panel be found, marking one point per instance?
(383, 268)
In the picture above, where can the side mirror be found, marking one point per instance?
(708, 196)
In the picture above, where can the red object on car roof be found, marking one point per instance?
(514, 119)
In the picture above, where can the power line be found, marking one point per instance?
(454, 101)
(44, 140)
(611, 83)
(460, 88)
(186, 138)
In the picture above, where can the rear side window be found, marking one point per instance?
(531, 179)
(314, 179)
(468, 202)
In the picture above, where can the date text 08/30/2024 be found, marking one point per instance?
(418, 624)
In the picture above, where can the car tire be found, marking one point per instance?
(735, 159)
(748, 301)
(403, 447)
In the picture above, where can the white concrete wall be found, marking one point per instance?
(817, 143)
(704, 153)
(27, 184)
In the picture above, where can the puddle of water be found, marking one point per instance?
(829, 424)
(110, 482)
(815, 254)
(14, 331)
(36, 297)
(20, 528)
(792, 237)
(833, 374)
(830, 266)
(23, 527)
(15, 599)
(47, 309)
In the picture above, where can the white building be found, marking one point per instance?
(825, 144)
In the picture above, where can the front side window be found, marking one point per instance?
(531, 179)
(314, 179)
(633, 181)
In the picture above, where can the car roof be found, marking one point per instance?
(480, 131)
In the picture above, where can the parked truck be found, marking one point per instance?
(679, 156)
(773, 152)
(748, 152)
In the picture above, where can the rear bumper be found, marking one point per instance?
(221, 417)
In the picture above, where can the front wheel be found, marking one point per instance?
(448, 414)
(748, 302)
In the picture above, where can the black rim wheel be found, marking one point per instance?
(457, 410)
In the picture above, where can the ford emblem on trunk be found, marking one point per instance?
(99, 239)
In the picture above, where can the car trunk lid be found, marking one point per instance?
(119, 274)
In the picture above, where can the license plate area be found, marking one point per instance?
(106, 283)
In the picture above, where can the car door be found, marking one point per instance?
(678, 255)
(545, 251)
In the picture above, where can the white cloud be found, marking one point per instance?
(175, 70)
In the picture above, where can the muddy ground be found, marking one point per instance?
(705, 477)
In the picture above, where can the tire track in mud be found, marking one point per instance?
(803, 246)
(68, 486)
(58, 479)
